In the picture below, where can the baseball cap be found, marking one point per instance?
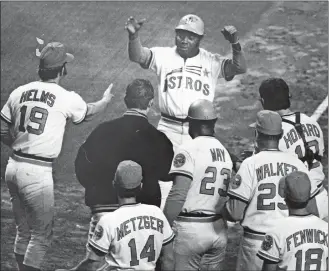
(54, 54)
(191, 23)
(268, 123)
(297, 187)
(202, 110)
(128, 175)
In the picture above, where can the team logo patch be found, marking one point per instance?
(179, 160)
(267, 242)
(98, 232)
(236, 181)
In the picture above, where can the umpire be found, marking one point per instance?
(130, 137)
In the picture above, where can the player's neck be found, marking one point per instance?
(268, 145)
(124, 201)
(55, 81)
(144, 112)
(298, 212)
(283, 112)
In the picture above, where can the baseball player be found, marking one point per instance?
(274, 94)
(201, 170)
(185, 73)
(255, 196)
(300, 241)
(132, 236)
(32, 123)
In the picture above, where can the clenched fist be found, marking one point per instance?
(133, 26)
(230, 33)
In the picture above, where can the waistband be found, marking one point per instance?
(173, 119)
(32, 159)
(195, 217)
(251, 234)
(103, 208)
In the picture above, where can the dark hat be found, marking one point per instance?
(268, 123)
(53, 55)
(297, 187)
(128, 175)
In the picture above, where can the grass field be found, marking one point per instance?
(286, 39)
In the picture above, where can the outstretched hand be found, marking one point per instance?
(107, 93)
(230, 33)
(133, 26)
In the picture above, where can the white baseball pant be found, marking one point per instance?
(177, 133)
(30, 184)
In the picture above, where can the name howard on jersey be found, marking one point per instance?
(307, 236)
(292, 136)
(217, 154)
(272, 169)
(44, 97)
(139, 223)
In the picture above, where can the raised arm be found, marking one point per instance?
(137, 53)
(236, 65)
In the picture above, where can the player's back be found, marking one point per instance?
(303, 242)
(211, 174)
(39, 111)
(293, 143)
(267, 203)
(138, 232)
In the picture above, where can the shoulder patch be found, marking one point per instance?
(236, 181)
(179, 160)
(267, 242)
(98, 234)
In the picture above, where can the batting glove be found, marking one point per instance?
(231, 34)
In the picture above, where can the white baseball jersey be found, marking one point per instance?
(297, 243)
(292, 142)
(38, 112)
(257, 184)
(181, 82)
(132, 236)
(209, 165)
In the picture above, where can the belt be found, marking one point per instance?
(249, 233)
(198, 217)
(165, 116)
(33, 159)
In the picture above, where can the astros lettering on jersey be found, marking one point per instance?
(209, 165)
(184, 81)
(38, 111)
(257, 184)
(297, 243)
(132, 236)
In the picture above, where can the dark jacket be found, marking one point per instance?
(130, 137)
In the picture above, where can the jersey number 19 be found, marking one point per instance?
(38, 115)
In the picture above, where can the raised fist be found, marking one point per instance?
(133, 26)
(230, 33)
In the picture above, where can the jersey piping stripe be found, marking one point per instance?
(83, 116)
(266, 256)
(92, 243)
(192, 66)
(197, 73)
(169, 239)
(238, 196)
(223, 67)
(182, 172)
(174, 71)
(5, 118)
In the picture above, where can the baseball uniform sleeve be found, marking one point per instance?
(270, 248)
(182, 163)
(217, 65)
(77, 108)
(241, 186)
(157, 59)
(6, 112)
(102, 236)
(168, 234)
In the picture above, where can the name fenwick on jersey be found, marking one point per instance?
(44, 97)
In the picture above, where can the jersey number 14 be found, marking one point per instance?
(38, 115)
(148, 251)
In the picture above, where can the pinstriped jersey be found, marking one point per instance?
(209, 164)
(297, 243)
(292, 142)
(38, 112)
(132, 236)
(181, 82)
(257, 184)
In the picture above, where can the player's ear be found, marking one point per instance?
(261, 101)
(151, 102)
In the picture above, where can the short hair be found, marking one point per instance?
(128, 193)
(139, 93)
(269, 137)
(296, 205)
(46, 74)
(275, 93)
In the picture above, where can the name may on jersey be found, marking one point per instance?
(32, 95)
(139, 223)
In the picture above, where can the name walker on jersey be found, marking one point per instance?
(274, 169)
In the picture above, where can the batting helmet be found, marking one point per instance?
(191, 23)
(202, 110)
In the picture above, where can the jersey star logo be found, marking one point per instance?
(206, 73)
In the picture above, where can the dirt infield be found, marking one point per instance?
(280, 39)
